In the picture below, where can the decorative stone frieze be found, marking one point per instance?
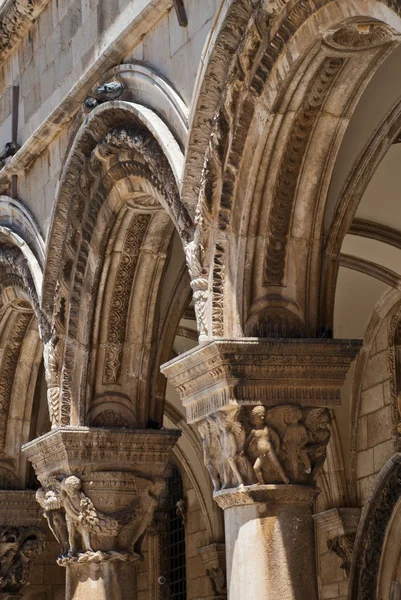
(16, 17)
(250, 371)
(100, 489)
(281, 444)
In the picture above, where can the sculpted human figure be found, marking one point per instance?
(263, 443)
(294, 441)
(229, 428)
(317, 422)
(210, 452)
(72, 496)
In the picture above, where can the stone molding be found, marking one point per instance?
(250, 371)
(16, 18)
(255, 494)
(18, 508)
(72, 450)
(370, 537)
(339, 521)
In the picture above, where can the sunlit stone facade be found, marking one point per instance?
(200, 299)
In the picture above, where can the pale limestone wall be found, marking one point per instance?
(63, 52)
(174, 51)
(375, 444)
(37, 189)
(47, 579)
(333, 582)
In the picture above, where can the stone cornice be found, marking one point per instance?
(16, 18)
(75, 450)
(250, 371)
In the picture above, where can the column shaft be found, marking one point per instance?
(270, 551)
(101, 581)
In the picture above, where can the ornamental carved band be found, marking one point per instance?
(290, 168)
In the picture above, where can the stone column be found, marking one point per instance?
(262, 411)
(21, 540)
(100, 490)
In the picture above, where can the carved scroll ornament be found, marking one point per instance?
(282, 444)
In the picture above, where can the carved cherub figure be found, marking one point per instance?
(264, 443)
(210, 452)
(294, 441)
(72, 498)
(230, 429)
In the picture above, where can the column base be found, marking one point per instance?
(270, 542)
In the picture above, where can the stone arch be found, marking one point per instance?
(377, 519)
(284, 105)
(22, 329)
(124, 167)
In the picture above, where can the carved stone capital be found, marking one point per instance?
(250, 371)
(261, 406)
(100, 489)
(18, 547)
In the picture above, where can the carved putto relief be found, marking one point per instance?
(279, 445)
(84, 532)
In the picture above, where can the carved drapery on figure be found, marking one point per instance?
(263, 445)
(18, 547)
